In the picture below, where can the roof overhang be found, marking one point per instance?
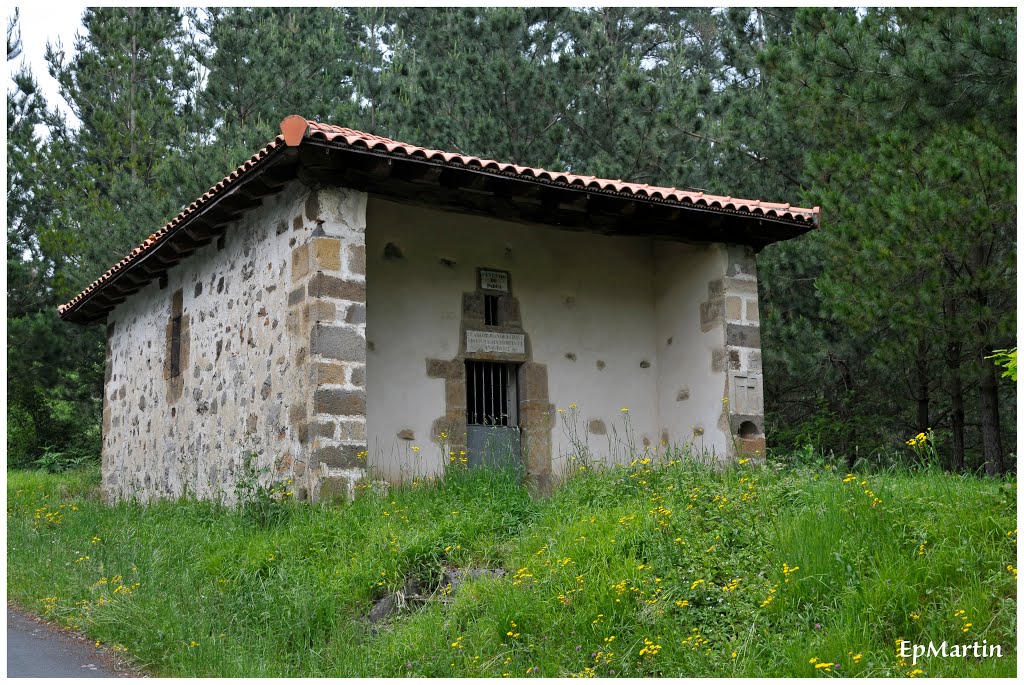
(321, 155)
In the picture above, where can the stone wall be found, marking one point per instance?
(741, 318)
(327, 306)
(731, 315)
(255, 318)
(265, 342)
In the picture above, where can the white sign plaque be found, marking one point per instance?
(494, 280)
(491, 341)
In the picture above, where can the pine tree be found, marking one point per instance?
(641, 112)
(919, 243)
(51, 379)
(128, 85)
(265, 63)
(83, 196)
(489, 82)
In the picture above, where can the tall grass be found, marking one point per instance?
(647, 570)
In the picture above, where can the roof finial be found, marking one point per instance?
(294, 129)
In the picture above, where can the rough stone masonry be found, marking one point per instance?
(256, 344)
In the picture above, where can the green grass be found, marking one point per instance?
(635, 571)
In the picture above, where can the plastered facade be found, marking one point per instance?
(615, 323)
(710, 389)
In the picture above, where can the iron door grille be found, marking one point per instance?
(490, 394)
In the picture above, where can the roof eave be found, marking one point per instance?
(773, 228)
(79, 309)
(300, 140)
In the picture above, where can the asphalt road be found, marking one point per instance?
(38, 650)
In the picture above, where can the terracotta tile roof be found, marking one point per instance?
(149, 244)
(295, 129)
(772, 210)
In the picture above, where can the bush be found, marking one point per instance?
(53, 461)
(262, 501)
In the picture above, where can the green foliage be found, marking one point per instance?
(911, 278)
(1008, 360)
(262, 64)
(492, 82)
(652, 569)
(900, 123)
(82, 196)
(57, 462)
(128, 84)
(264, 502)
(54, 394)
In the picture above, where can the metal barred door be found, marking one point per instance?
(492, 415)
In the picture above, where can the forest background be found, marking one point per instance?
(899, 123)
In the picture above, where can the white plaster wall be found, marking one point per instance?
(235, 401)
(580, 294)
(689, 392)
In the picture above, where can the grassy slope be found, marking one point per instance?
(635, 571)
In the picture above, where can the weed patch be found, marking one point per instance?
(659, 568)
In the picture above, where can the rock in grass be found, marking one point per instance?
(384, 609)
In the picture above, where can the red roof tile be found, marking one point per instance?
(296, 129)
(355, 138)
(150, 243)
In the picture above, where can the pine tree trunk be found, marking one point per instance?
(956, 413)
(988, 406)
(131, 102)
(840, 402)
(921, 364)
(956, 387)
